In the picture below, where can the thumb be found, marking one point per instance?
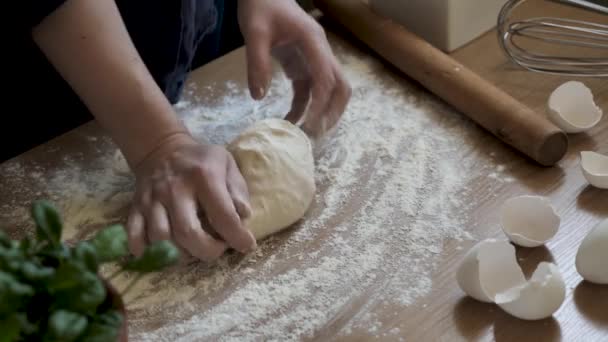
(259, 66)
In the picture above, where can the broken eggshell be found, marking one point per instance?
(529, 221)
(539, 298)
(572, 108)
(592, 255)
(595, 168)
(489, 273)
(490, 267)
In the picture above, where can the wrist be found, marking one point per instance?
(141, 120)
(164, 146)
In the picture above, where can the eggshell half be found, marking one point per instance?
(572, 108)
(529, 221)
(539, 298)
(592, 255)
(490, 267)
(595, 168)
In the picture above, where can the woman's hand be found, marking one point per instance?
(176, 180)
(283, 30)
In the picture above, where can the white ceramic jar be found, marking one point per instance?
(447, 24)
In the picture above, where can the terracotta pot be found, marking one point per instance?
(115, 300)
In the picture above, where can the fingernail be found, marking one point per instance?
(251, 249)
(247, 250)
(248, 212)
(243, 209)
(261, 92)
(257, 93)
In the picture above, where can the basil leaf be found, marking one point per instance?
(87, 254)
(76, 288)
(106, 327)
(5, 241)
(97, 332)
(54, 255)
(27, 246)
(85, 293)
(27, 328)
(110, 243)
(69, 274)
(16, 327)
(155, 257)
(65, 326)
(111, 318)
(35, 273)
(48, 222)
(13, 294)
(11, 259)
(10, 328)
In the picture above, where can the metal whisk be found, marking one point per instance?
(561, 31)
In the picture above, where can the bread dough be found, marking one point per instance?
(275, 158)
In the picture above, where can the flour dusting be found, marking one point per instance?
(390, 178)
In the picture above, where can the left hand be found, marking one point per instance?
(179, 180)
(283, 30)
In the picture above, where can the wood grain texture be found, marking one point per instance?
(445, 314)
(449, 316)
(486, 104)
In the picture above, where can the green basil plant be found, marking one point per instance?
(51, 291)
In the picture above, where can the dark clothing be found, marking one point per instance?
(172, 37)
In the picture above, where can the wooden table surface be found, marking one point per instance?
(584, 315)
(444, 313)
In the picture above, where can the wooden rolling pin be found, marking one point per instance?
(508, 119)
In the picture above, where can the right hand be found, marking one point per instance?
(179, 180)
(281, 29)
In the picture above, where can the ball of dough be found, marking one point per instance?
(275, 158)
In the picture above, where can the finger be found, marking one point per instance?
(301, 98)
(292, 60)
(323, 79)
(188, 232)
(158, 228)
(339, 100)
(237, 188)
(335, 107)
(213, 196)
(259, 65)
(136, 233)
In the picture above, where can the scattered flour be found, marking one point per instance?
(391, 181)
(499, 175)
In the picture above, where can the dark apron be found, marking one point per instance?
(172, 37)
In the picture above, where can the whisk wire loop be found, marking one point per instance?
(554, 31)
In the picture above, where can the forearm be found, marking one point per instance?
(88, 44)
